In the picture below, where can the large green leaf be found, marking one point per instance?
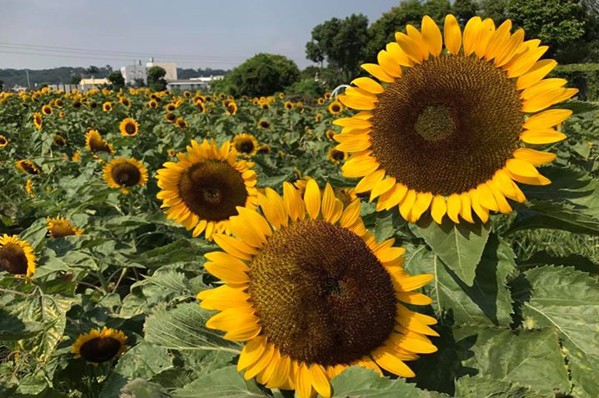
(477, 387)
(460, 246)
(486, 302)
(568, 301)
(142, 361)
(361, 382)
(13, 328)
(546, 214)
(583, 370)
(225, 382)
(530, 358)
(140, 388)
(182, 328)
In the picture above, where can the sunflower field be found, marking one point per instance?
(430, 232)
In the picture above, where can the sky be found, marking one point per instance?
(39, 34)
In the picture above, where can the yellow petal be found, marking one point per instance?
(507, 52)
(413, 48)
(533, 157)
(353, 122)
(256, 220)
(359, 165)
(454, 205)
(378, 72)
(485, 197)
(438, 208)
(312, 199)
(251, 352)
(231, 319)
(320, 382)
(480, 211)
(391, 363)
(359, 103)
(366, 83)
(524, 62)
(547, 119)
(538, 71)
(471, 31)
(521, 168)
(273, 207)
(351, 214)
(370, 181)
(293, 202)
(542, 87)
(234, 246)
(242, 228)
(432, 35)
(406, 204)
(423, 201)
(502, 204)
(222, 298)
(303, 382)
(331, 206)
(261, 364)
(389, 65)
(540, 137)
(382, 187)
(466, 207)
(452, 34)
(226, 267)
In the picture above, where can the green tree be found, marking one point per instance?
(117, 80)
(437, 10)
(263, 74)
(156, 78)
(1, 85)
(464, 10)
(382, 31)
(75, 79)
(341, 43)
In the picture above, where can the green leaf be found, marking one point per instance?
(487, 302)
(358, 381)
(530, 358)
(181, 251)
(384, 228)
(460, 246)
(579, 107)
(476, 387)
(140, 388)
(142, 361)
(225, 382)
(182, 328)
(568, 301)
(13, 328)
(546, 214)
(583, 370)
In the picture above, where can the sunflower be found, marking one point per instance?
(95, 143)
(264, 105)
(246, 144)
(125, 173)
(107, 107)
(92, 104)
(335, 107)
(288, 105)
(129, 127)
(330, 134)
(170, 107)
(58, 103)
(264, 124)
(320, 101)
(206, 187)
(125, 101)
(231, 107)
(16, 256)
(312, 293)
(336, 156)
(59, 140)
(47, 110)
(171, 153)
(27, 166)
(186, 94)
(199, 103)
(318, 117)
(181, 122)
(263, 149)
(3, 141)
(60, 226)
(327, 95)
(77, 104)
(76, 156)
(153, 104)
(170, 117)
(37, 120)
(99, 346)
(445, 128)
(61, 114)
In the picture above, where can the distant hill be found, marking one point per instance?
(64, 74)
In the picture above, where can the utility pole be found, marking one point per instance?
(28, 82)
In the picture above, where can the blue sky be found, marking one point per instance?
(39, 34)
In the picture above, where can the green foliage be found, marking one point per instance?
(585, 77)
(261, 75)
(156, 78)
(117, 80)
(306, 89)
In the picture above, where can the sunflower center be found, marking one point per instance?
(435, 123)
(60, 229)
(13, 259)
(245, 146)
(447, 125)
(100, 349)
(212, 190)
(126, 174)
(130, 128)
(321, 295)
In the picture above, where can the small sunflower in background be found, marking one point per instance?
(76, 156)
(129, 127)
(95, 143)
(263, 149)
(3, 141)
(29, 188)
(288, 105)
(59, 140)
(77, 104)
(330, 134)
(181, 123)
(320, 101)
(170, 117)
(336, 156)
(264, 124)
(107, 107)
(98, 346)
(206, 186)
(447, 124)
(58, 102)
(61, 114)
(16, 256)
(125, 101)
(37, 120)
(27, 166)
(59, 227)
(311, 293)
(246, 144)
(170, 107)
(335, 107)
(153, 104)
(231, 107)
(123, 173)
(47, 110)
(171, 153)
(318, 117)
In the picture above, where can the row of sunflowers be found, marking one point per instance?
(123, 210)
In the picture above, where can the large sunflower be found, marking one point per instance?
(99, 346)
(206, 187)
(95, 143)
(246, 144)
(129, 127)
(16, 256)
(445, 126)
(59, 227)
(312, 293)
(122, 173)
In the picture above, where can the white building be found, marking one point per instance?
(86, 84)
(169, 67)
(194, 83)
(133, 73)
